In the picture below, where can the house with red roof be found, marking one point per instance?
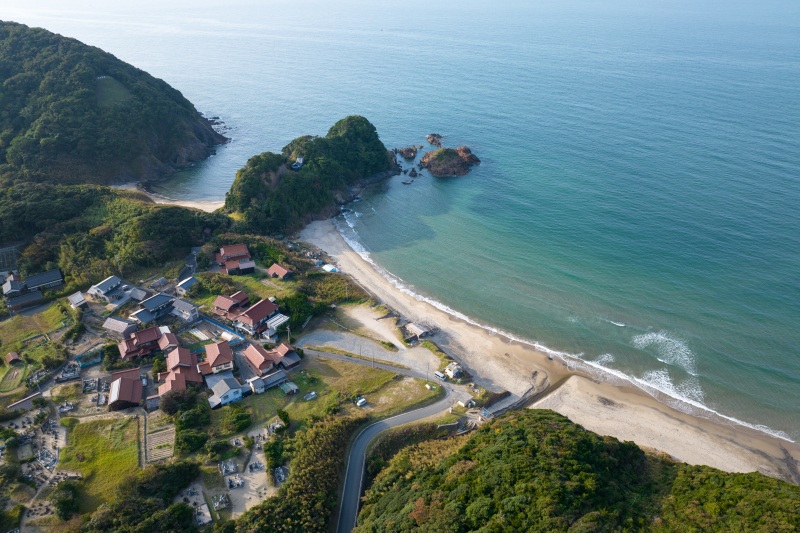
(254, 320)
(219, 358)
(12, 357)
(229, 307)
(181, 371)
(264, 361)
(140, 343)
(125, 390)
(235, 259)
(278, 271)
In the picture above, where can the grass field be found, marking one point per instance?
(257, 286)
(12, 377)
(334, 381)
(67, 392)
(105, 452)
(111, 91)
(18, 328)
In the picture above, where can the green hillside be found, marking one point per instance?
(537, 471)
(272, 198)
(72, 113)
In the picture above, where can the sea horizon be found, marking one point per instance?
(634, 209)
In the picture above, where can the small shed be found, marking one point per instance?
(77, 300)
(329, 268)
(279, 271)
(12, 358)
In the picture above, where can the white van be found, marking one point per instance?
(440, 375)
(361, 402)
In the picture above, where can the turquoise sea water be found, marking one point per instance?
(638, 201)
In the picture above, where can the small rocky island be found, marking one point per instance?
(407, 153)
(435, 139)
(449, 162)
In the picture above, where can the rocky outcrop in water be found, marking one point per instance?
(449, 162)
(435, 139)
(408, 153)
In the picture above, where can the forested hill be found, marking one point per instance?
(72, 113)
(534, 470)
(272, 197)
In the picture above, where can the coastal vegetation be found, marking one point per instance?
(72, 113)
(272, 198)
(91, 232)
(534, 470)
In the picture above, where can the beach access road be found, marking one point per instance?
(354, 475)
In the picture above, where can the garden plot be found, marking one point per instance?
(160, 444)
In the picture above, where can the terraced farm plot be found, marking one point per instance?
(160, 444)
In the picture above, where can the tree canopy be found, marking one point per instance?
(273, 198)
(534, 470)
(72, 113)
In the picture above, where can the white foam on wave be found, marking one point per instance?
(669, 350)
(686, 397)
(605, 359)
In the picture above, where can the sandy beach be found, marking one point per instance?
(626, 413)
(207, 206)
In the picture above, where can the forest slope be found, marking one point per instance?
(72, 113)
(534, 470)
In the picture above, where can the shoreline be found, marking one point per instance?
(209, 206)
(621, 410)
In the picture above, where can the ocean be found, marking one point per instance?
(637, 205)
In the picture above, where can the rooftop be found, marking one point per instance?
(157, 301)
(219, 354)
(108, 284)
(43, 278)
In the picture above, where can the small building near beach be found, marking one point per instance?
(278, 271)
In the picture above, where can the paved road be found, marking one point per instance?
(354, 477)
(351, 494)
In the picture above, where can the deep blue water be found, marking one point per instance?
(637, 204)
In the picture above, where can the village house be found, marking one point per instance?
(184, 310)
(261, 384)
(126, 389)
(27, 299)
(76, 301)
(264, 361)
(229, 307)
(219, 358)
(278, 271)
(13, 286)
(140, 343)
(119, 328)
(225, 387)
(254, 320)
(235, 259)
(154, 308)
(183, 286)
(12, 358)
(107, 290)
(168, 342)
(181, 371)
(45, 280)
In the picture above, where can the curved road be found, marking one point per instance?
(354, 475)
(353, 479)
